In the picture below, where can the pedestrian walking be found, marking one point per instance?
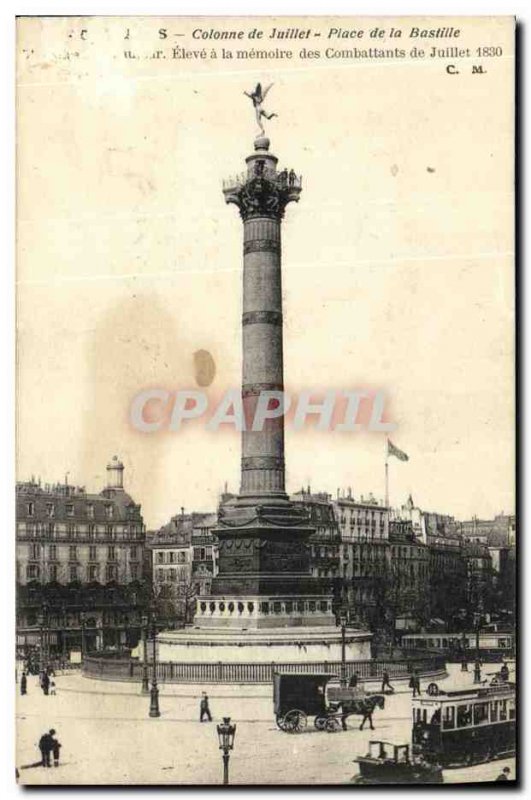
(23, 684)
(414, 683)
(386, 684)
(367, 716)
(52, 688)
(353, 682)
(204, 709)
(46, 747)
(56, 746)
(45, 683)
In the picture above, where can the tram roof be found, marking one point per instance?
(480, 693)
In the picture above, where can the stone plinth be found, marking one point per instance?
(278, 646)
(257, 612)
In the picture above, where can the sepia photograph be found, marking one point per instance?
(266, 527)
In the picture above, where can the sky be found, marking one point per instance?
(397, 262)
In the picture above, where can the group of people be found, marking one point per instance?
(414, 683)
(48, 746)
(46, 682)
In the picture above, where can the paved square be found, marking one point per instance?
(107, 736)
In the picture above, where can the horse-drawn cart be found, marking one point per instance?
(297, 697)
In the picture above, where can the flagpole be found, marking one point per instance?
(387, 473)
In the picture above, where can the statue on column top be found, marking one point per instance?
(258, 97)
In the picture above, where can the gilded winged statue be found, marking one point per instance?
(258, 97)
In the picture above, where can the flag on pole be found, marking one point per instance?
(392, 450)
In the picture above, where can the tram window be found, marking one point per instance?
(503, 710)
(401, 755)
(494, 711)
(436, 717)
(481, 712)
(463, 716)
(424, 715)
(449, 717)
(512, 711)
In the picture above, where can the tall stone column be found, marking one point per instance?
(264, 561)
(262, 464)
(261, 195)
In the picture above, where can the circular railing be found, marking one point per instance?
(113, 668)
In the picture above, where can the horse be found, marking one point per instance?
(363, 707)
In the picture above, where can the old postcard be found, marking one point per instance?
(266, 521)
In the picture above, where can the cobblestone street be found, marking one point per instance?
(104, 728)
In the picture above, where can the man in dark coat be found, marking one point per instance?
(204, 709)
(46, 746)
(353, 682)
(504, 774)
(45, 683)
(385, 682)
(414, 683)
(23, 684)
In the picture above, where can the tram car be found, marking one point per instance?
(298, 697)
(466, 727)
(391, 763)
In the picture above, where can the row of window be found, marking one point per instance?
(181, 556)
(72, 530)
(463, 716)
(171, 557)
(324, 552)
(37, 551)
(452, 641)
(410, 552)
(75, 573)
(365, 535)
(69, 508)
(172, 575)
(325, 573)
(361, 514)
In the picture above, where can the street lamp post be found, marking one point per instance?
(343, 671)
(43, 625)
(477, 664)
(226, 734)
(83, 623)
(464, 662)
(145, 668)
(154, 710)
(63, 613)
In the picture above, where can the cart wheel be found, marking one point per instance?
(320, 723)
(295, 721)
(433, 689)
(333, 725)
(280, 722)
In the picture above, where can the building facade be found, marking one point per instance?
(408, 594)
(79, 565)
(364, 556)
(184, 562)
